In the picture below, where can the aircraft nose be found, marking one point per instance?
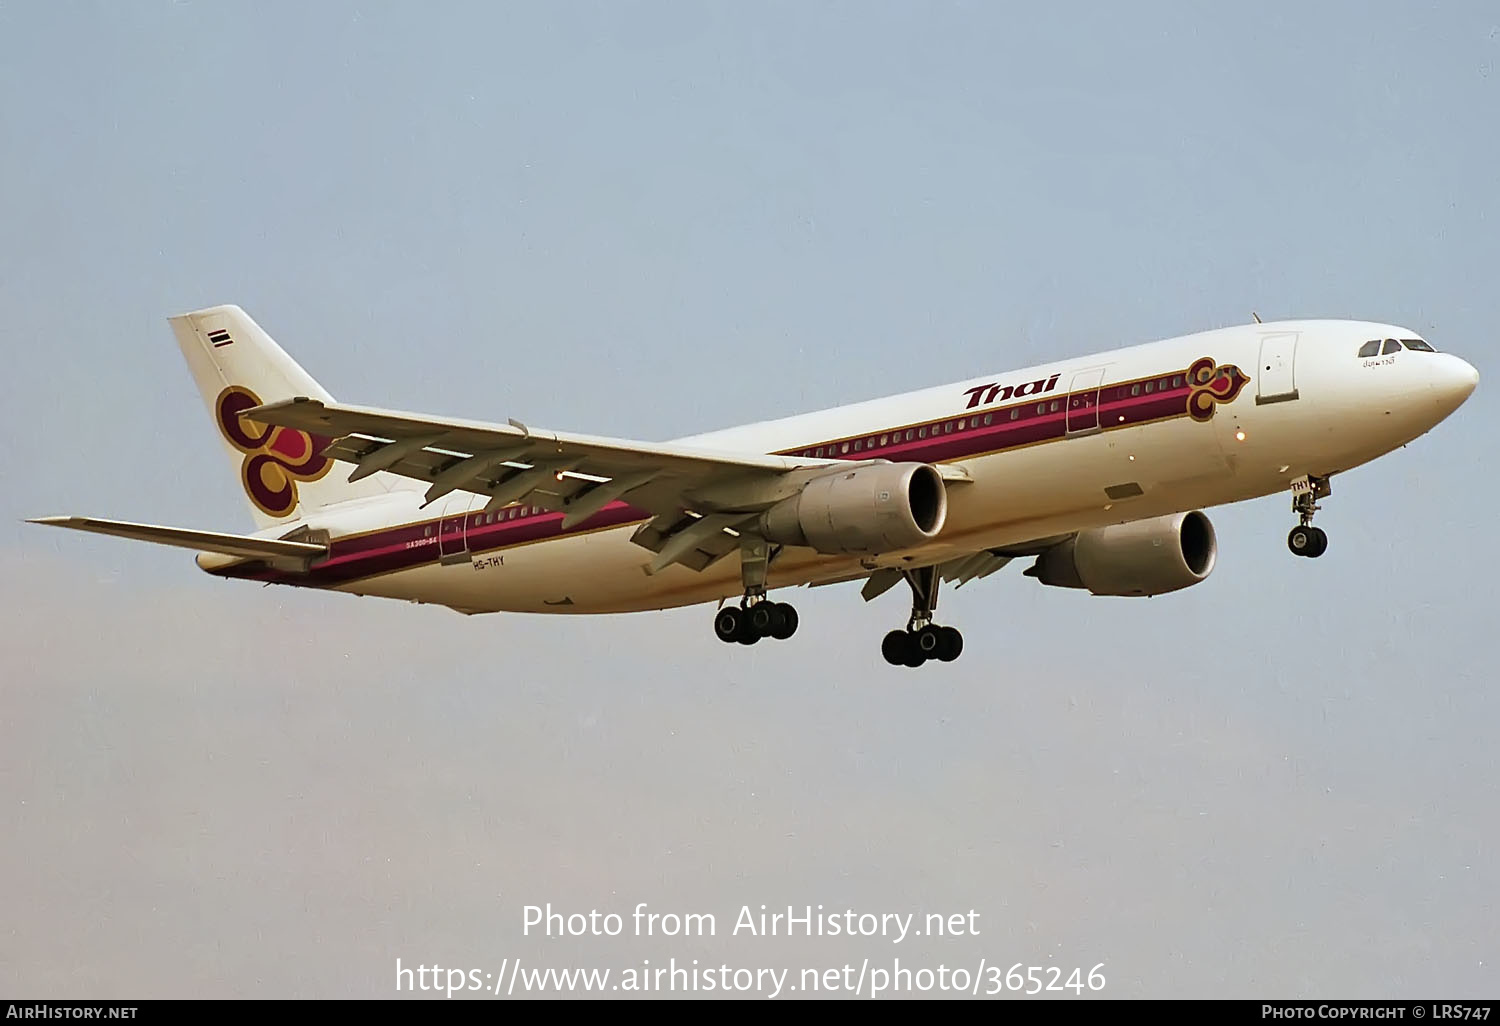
(1454, 380)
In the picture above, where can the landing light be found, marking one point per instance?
(1239, 436)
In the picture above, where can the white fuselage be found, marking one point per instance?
(1049, 450)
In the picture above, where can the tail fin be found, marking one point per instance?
(237, 366)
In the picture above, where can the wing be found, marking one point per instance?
(275, 550)
(696, 498)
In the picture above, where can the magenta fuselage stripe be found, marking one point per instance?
(415, 544)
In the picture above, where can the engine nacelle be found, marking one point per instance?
(1147, 557)
(879, 507)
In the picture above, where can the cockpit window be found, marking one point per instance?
(1417, 345)
(1391, 346)
(1371, 348)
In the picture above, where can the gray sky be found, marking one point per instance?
(598, 217)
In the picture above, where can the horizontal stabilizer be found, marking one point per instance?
(240, 546)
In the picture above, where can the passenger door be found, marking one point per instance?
(1083, 401)
(1277, 372)
(452, 531)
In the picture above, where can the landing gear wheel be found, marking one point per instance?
(728, 623)
(764, 618)
(1300, 541)
(894, 647)
(788, 624)
(952, 645)
(930, 641)
(1319, 542)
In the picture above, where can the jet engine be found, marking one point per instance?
(877, 507)
(1146, 557)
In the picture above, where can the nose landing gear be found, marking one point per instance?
(1305, 539)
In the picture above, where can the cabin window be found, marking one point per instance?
(948, 428)
(427, 531)
(989, 418)
(1161, 386)
(908, 434)
(1417, 345)
(859, 444)
(1370, 348)
(1177, 381)
(922, 431)
(1391, 346)
(1015, 414)
(844, 449)
(1135, 389)
(1149, 386)
(884, 439)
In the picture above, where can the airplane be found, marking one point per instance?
(1097, 468)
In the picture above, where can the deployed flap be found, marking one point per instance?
(237, 545)
(973, 567)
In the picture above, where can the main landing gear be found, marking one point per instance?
(922, 640)
(749, 622)
(1305, 539)
(756, 616)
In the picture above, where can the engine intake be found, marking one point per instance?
(877, 507)
(1146, 557)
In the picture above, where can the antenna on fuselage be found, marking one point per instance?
(1256, 316)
